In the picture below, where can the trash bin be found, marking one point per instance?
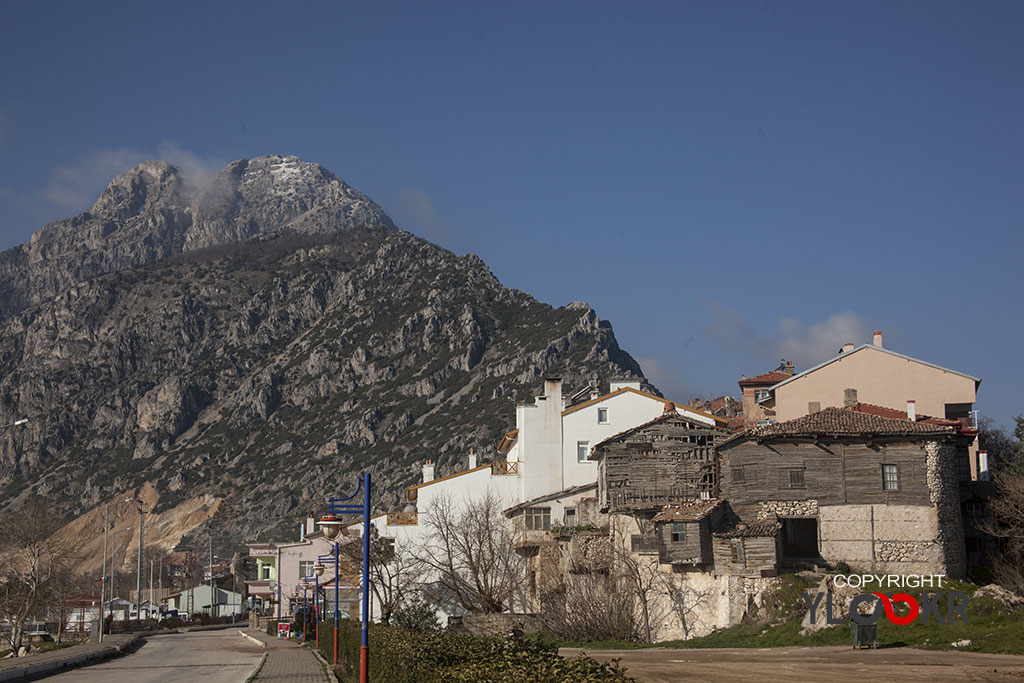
(864, 635)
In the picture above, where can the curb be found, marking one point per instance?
(256, 669)
(257, 641)
(33, 670)
(328, 669)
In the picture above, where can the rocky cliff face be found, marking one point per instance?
(259, 340)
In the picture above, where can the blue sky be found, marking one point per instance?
(729, 183)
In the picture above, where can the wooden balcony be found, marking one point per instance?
(504, 467)
(403, 518)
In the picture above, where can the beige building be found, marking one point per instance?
(872, 374)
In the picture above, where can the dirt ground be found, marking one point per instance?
(798, 664)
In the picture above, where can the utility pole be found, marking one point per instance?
(160, 579)
(150, 584)
(212, 589)
(103, 571)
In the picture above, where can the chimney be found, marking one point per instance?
(788, 368)
(912, 411)
(877, 339)
(847, 347)
(553, 391)
(428, 471)
(472, 459)
(310, 524)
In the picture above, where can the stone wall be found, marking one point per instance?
(889, 538)
(944, 489)
(788, 508)
(494, 624)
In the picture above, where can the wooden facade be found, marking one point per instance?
(668, 460)
(840, 472)
(694, 549)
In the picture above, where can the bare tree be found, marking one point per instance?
(470, 556)
(638, 573)
(32, 565)
(392, 571)
(686, 600)
(1007, 524)
(590, 607)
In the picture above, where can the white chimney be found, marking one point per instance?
(877, 339)
(847, 347)
(472, 460)
(428, 471)
(912, 411)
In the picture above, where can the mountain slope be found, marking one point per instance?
(266, 373)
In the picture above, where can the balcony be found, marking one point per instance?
(403, 518)
(504, 467)
(261, 587)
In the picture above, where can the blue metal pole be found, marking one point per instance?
(335, 604)
(364, 650)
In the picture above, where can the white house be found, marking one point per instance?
(545, 459)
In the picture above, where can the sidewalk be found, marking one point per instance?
(287, 661)
(18, 668)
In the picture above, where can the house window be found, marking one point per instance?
(738, 476)
(570, 516)
(796, 479)
(761, 395)
(305, 569)
(265, 572)
(538, 519)
(582, 451)
(602, 416)
(890, 477)
(678, 532)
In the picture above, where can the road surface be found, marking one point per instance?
(209, 656)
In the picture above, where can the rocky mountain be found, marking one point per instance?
(253, 341)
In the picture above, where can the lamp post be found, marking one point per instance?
(138, 575)
(103, 570)
(113, 567)
(318, 571)
(332, 527)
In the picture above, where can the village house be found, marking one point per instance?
(202, 599)
(282, 566)
(843, 485)
(546, 478)
(869, 374)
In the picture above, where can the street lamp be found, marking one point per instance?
(103, 570)
(332, 527)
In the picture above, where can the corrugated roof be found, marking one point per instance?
(751, 530)
(772, 377)
(687, 511)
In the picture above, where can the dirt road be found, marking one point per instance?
(825, 664)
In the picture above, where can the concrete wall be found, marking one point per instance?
(898, 539)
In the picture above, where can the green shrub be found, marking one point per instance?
(399, 655)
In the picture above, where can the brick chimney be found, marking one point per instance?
(428, 471)
(788, 367)
(847, 347)
(877, 339)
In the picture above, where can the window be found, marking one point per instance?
(738, 476)
(890, 477)
(570, 516)
(305, 569)
(678, 532)
(538, 519)
(796, 479)
(582, 451)
(265, 572)
(602, 416)
(761, 395)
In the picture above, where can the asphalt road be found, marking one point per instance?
(829, 664)
(209, 656)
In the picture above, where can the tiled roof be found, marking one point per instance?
(687, 511)
(773, 377)
(751, 530)
(841, 422)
